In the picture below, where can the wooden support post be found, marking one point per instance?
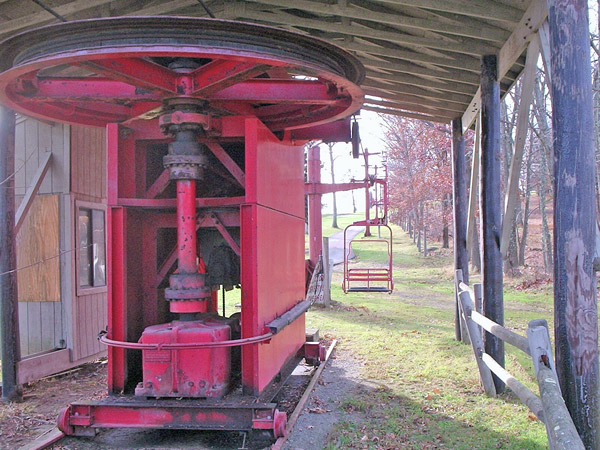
(315, 218)
(326, 273)
(9, 308)
(367, 195)
(458, 279)
(472, 238)
(491, 207)
(575, 304)
(544, 42)
(478, 293)
(459, 177)
(475, 337)
(512, 191)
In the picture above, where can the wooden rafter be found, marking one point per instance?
(484, 32)
(422, 55)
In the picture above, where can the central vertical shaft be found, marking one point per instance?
(186, 226)
(188, 293)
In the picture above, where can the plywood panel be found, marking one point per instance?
(37, 251)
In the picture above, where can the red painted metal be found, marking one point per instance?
(228, 162)
(196, 345)
(311, 189)
(226, 79)
(186, 226)
(369, 279)
(228, 94)
(162, 203)
(272, 244)
(172, 414)
(186, 373)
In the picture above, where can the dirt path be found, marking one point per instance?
(323, 411)
(336, 244)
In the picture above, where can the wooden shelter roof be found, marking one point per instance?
(422, 57)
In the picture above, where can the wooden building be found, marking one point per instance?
(60, 190)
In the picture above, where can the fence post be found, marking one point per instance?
(485, 374)
(562, 434)
(478, 291)
(464, 334)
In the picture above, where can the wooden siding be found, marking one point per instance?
(90, 317)
(41, 327)
(33, 139)
(88, 312)
(88, 163)
(41, 313)
(37, 241)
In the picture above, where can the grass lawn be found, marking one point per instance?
(424, 389)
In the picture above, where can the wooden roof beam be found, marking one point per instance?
(464, 63)
(408, 99)
(410, 107)
(482, 9)
(398, 88)
(454, 76)
(397, 112)
(44, 16)
(412, 80)
(510, 52)
(484, 32)
(472, 47)
(164, 8)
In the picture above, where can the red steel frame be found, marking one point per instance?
(129, 88)
(367, 276)
(272, 251)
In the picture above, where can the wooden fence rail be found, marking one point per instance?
(550, 408)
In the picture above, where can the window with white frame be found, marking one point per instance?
(91, 247)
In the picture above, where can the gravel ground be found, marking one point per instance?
(322, 412)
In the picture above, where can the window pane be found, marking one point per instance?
(85, 247)
(99, 264)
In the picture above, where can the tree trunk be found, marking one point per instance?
(334, 223)
(525, 218)
(511, 260)
(446, 228)
(476, 252)
(424, 215)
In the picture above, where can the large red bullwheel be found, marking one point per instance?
(190, 74)
(116, 70)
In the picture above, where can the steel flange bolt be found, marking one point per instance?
(184, 121)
